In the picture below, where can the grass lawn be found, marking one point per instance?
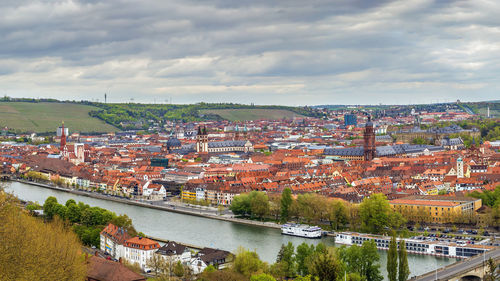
(46, 117)
(252, 114)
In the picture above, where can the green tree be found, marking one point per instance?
(286, 202)
(312, 207)
(287, 259)
(262, 277)
(240, 205)
(259, 204)
(179, 269)
(369, 265)
(392, 259)
(404, 269)
(337, 214)
(326, 266)
(69, 202)
(210, 268)
(353, 258)
(33, 207)
(420, 141)
(489, 198)
(354, 276)
(247, 263)
(50, 207)
(73, 213)
(304, 252)
(125, 222)
(61, 211)
(320, 248)
(376, 213)
(304, 278)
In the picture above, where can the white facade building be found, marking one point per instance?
(139, 250)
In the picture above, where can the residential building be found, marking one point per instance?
(140, 250)
(113, 239)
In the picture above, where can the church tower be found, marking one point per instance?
(369, 141)
(202, 140)
(236, 132)
(460, 168)
(63, 149)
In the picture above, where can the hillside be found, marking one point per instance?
(251, 114)
(43, 117)
(143, 116)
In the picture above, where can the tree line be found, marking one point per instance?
(87, 222)
(304, 263)
(492, 200)
(373, 215)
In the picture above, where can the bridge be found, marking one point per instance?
(470, 269)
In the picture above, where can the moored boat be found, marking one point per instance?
(301, 230)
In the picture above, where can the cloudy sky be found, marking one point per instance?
(291, 52)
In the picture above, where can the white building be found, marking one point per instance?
(113, 239)
(139, 250)
(200, 193)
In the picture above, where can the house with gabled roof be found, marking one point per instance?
(112, 240)
(173, 252)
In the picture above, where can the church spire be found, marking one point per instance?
(63, 138)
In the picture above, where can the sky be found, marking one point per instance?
(251, 51)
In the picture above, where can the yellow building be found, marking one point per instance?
(188, 194)
(436, 208)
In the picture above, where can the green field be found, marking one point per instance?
(47, 116)
(252, 114)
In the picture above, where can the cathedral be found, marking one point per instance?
(203, 145)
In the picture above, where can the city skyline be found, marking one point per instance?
(325, 52)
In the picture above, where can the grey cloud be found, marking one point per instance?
(288, 52)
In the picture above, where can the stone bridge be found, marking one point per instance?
(470, 269)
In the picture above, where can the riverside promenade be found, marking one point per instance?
(199, 212)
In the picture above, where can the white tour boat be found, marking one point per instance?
(301, 230)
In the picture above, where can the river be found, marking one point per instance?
(206, 232)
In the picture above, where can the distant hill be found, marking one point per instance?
(251, 114)
(143, 116)
(42, 117)
(45, 115)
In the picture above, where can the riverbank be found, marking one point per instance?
(197, 231)
(151, 206)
